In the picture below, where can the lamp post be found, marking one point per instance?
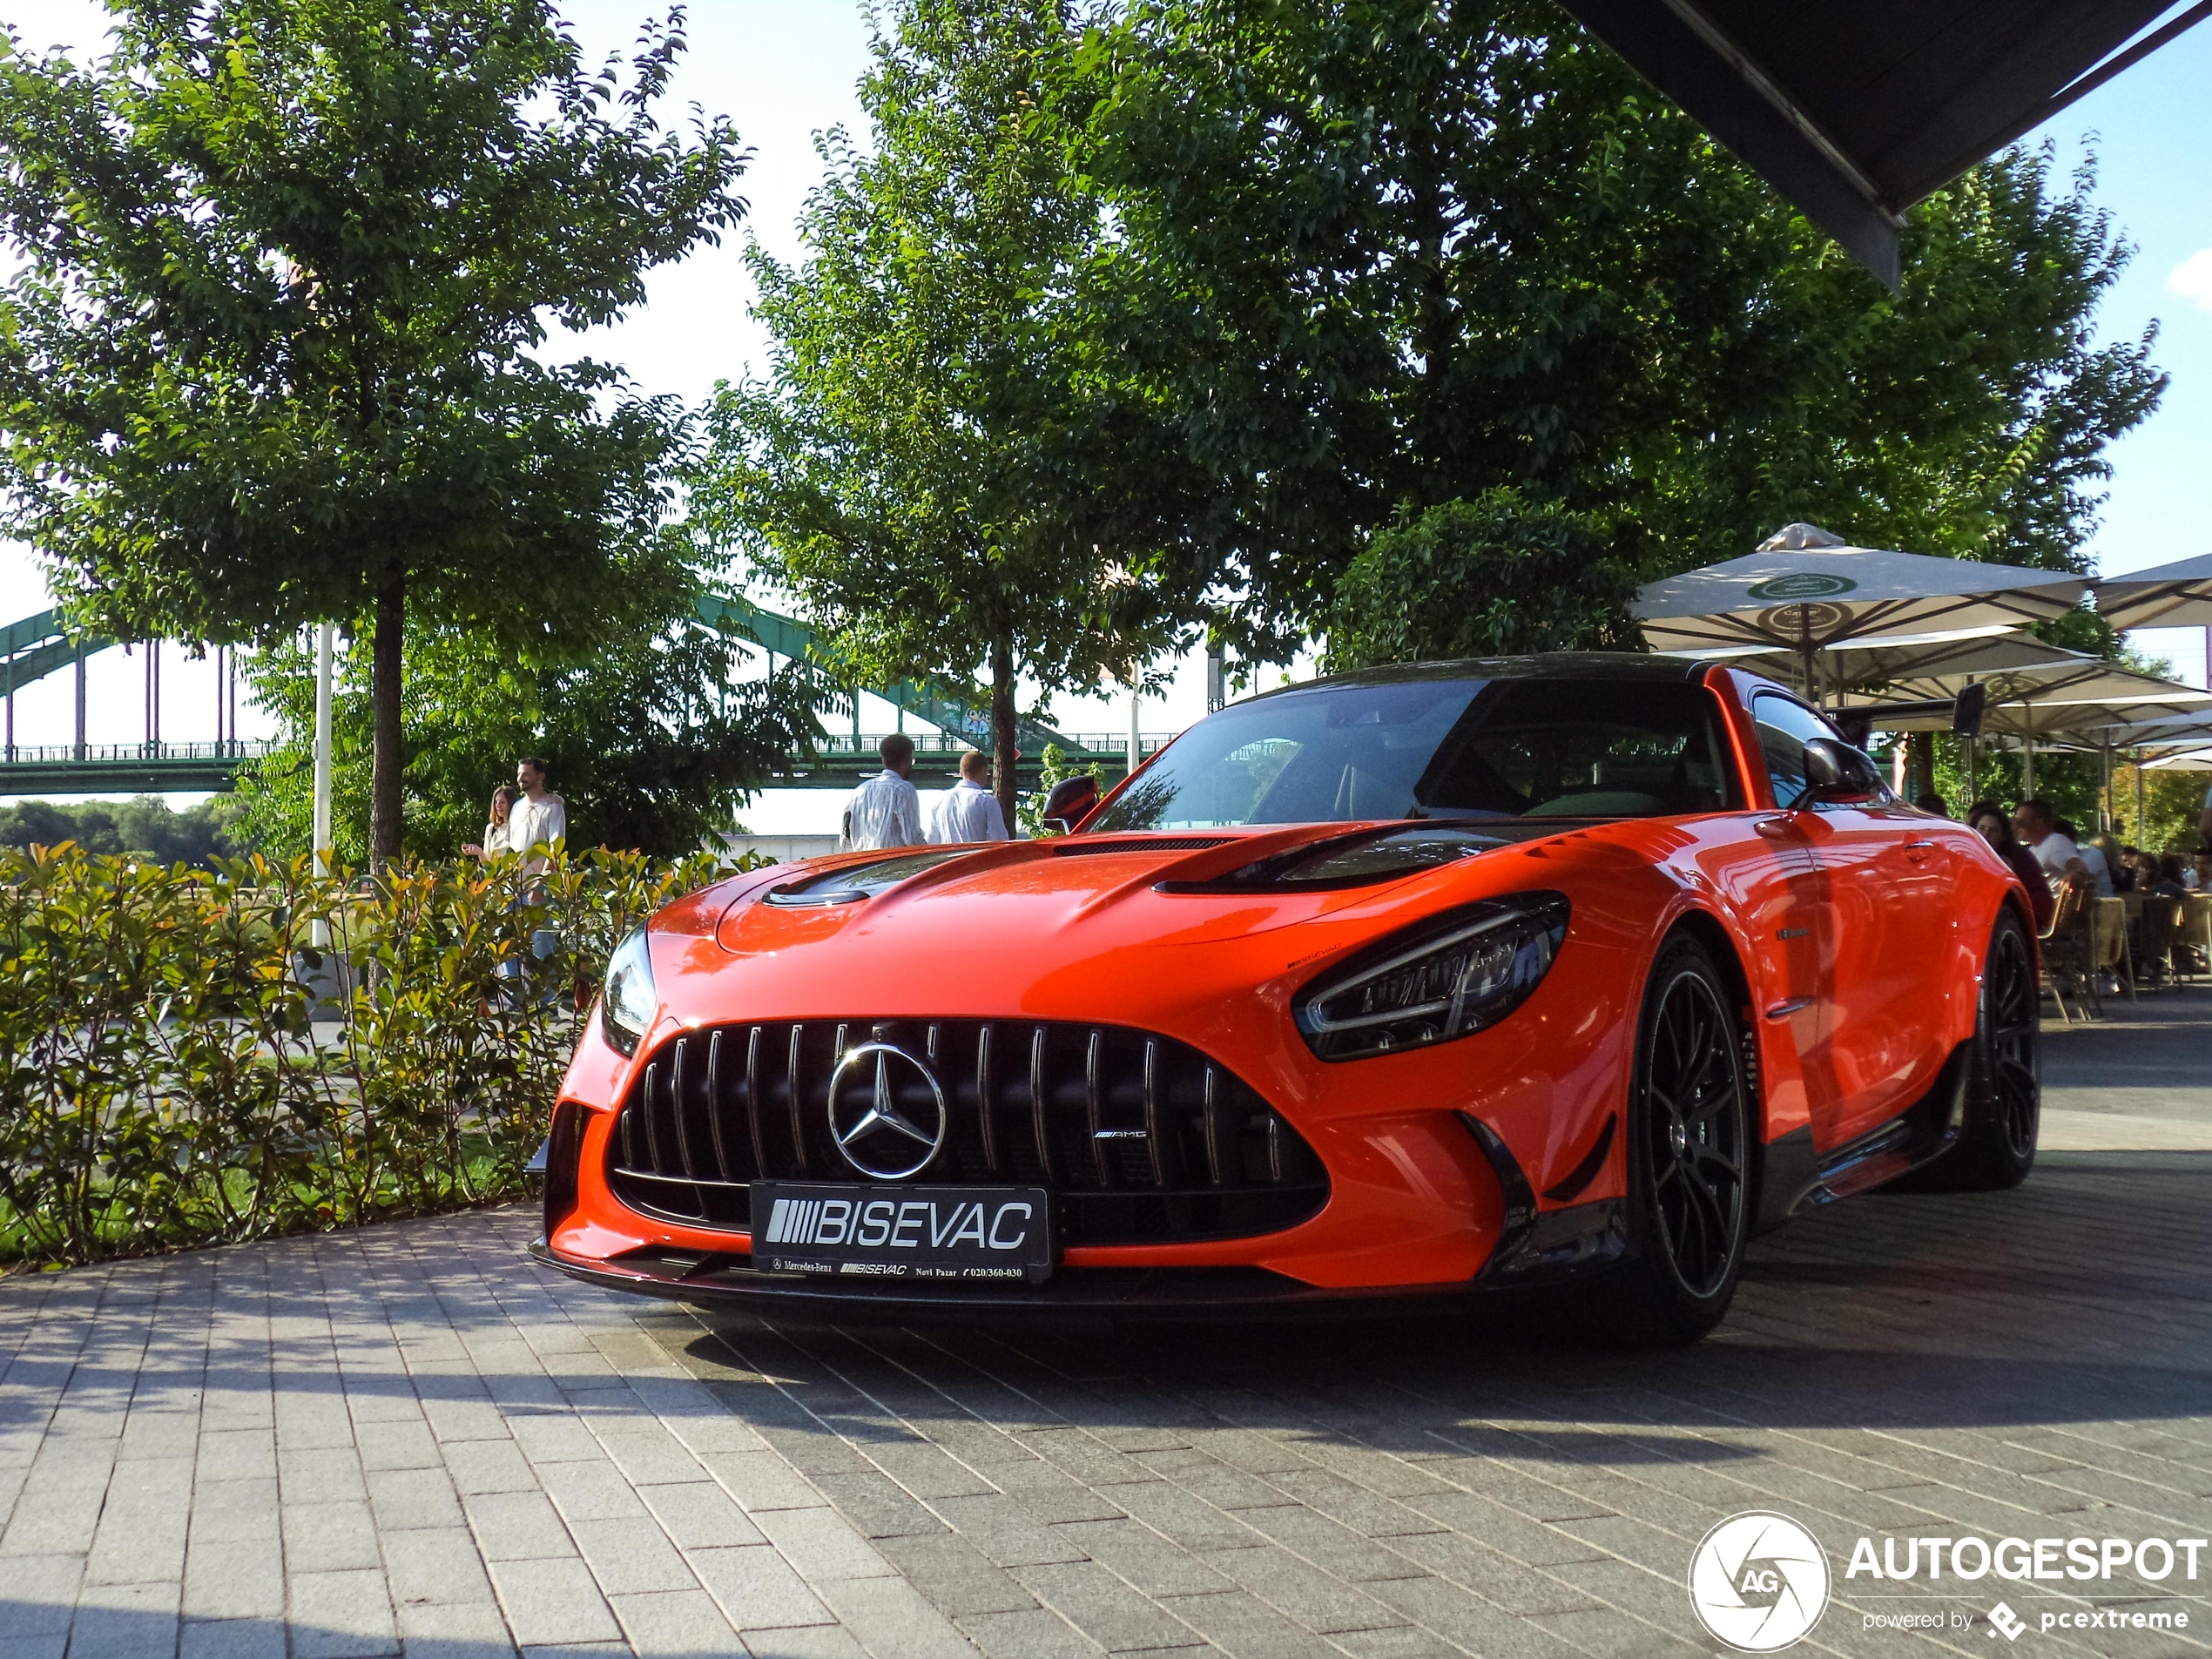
(320, 935)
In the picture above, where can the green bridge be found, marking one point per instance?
(38, 646)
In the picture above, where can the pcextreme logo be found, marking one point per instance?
(1758, 1582)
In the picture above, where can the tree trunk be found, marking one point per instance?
(385, 653)
(1004, 752)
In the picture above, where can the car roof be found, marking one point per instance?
(1631, 667)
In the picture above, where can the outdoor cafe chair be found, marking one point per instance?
(2108, 936)
(2069, 955)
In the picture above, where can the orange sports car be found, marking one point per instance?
(1568, 971)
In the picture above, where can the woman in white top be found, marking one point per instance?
(497, 833)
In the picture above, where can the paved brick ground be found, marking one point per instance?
(412, 1440)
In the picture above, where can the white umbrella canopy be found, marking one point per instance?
(1954, 658)
(1806, 590)
(2166, 596)
(2066, 692)
(2188, 760)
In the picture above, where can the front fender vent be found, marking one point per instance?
(1141, 1138)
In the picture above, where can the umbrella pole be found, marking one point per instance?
(2027, 765)
(1804, 650)
(2143, 833)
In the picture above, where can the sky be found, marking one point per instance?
(785, 69)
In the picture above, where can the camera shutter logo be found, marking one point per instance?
(1758, 1582)
(873, 1132)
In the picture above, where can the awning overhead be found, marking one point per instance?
(1856, 109)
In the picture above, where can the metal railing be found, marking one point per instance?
(1081, 744)
(53, 753)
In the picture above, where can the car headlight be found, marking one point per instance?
(627, 1003)
(1453, 974)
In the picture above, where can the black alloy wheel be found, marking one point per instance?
(1996, 1147)
(1693, 1127)
(1689, 1116)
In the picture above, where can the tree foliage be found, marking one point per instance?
(146, 827)
(1386, 252)
(945, 464)
(269, 356)
(1493, 577)
(650, 743)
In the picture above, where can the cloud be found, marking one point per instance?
(2192, 278)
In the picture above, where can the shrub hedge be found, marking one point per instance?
(182, 1063)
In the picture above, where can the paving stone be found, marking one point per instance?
(420, 1497)
(341, 1616)
(518, 1526)
(820, 1543)
(435, 1567)
(674, 1624)
(756, 1588)
(234, 1579)
(125, 1620)
(488, 1466)
(699, 1515)
(1104, 1609)
(454, 1629)
(956, 1575)
(552, 1601)
(1038, 1633)
(231, 1639)
(890, 1617)
(1243, 1627)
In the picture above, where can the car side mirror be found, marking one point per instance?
(1070, 803)
(1836, 771)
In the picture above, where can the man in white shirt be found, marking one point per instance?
(2092, 858)
(884, 810)
(2061, 860)
(541, 815)
(969, 812)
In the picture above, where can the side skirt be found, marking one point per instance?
(1792, 1176)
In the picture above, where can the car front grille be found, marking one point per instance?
(1141, 1138)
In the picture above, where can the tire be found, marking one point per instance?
(1996, 1147)
(1689, 1145)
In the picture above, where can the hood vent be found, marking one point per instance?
(1076, 846)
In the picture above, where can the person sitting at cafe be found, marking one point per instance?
(2060, 860)
(1987, 819)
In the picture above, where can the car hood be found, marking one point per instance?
(1100, 926)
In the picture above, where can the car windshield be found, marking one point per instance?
(1438, 748)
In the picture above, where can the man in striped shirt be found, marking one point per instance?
(884, 810)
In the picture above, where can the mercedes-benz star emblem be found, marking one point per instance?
(872, 1133)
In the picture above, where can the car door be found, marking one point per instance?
(1884, 876)
(1795, 914)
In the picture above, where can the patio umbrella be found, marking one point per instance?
(2057, 701)
(2188, 761)
(2166, 596)
(1806, 590)
(1956, 657)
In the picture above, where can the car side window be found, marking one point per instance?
(1784, 726)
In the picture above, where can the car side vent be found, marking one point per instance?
(1141, 1138)
(1076, 846)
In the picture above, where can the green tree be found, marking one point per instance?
(1493, 577)
(269, 356)
(650, 742)
(943, 465)
(147, 826)
(1385, 252)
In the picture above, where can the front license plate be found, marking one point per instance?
(966, 1235)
